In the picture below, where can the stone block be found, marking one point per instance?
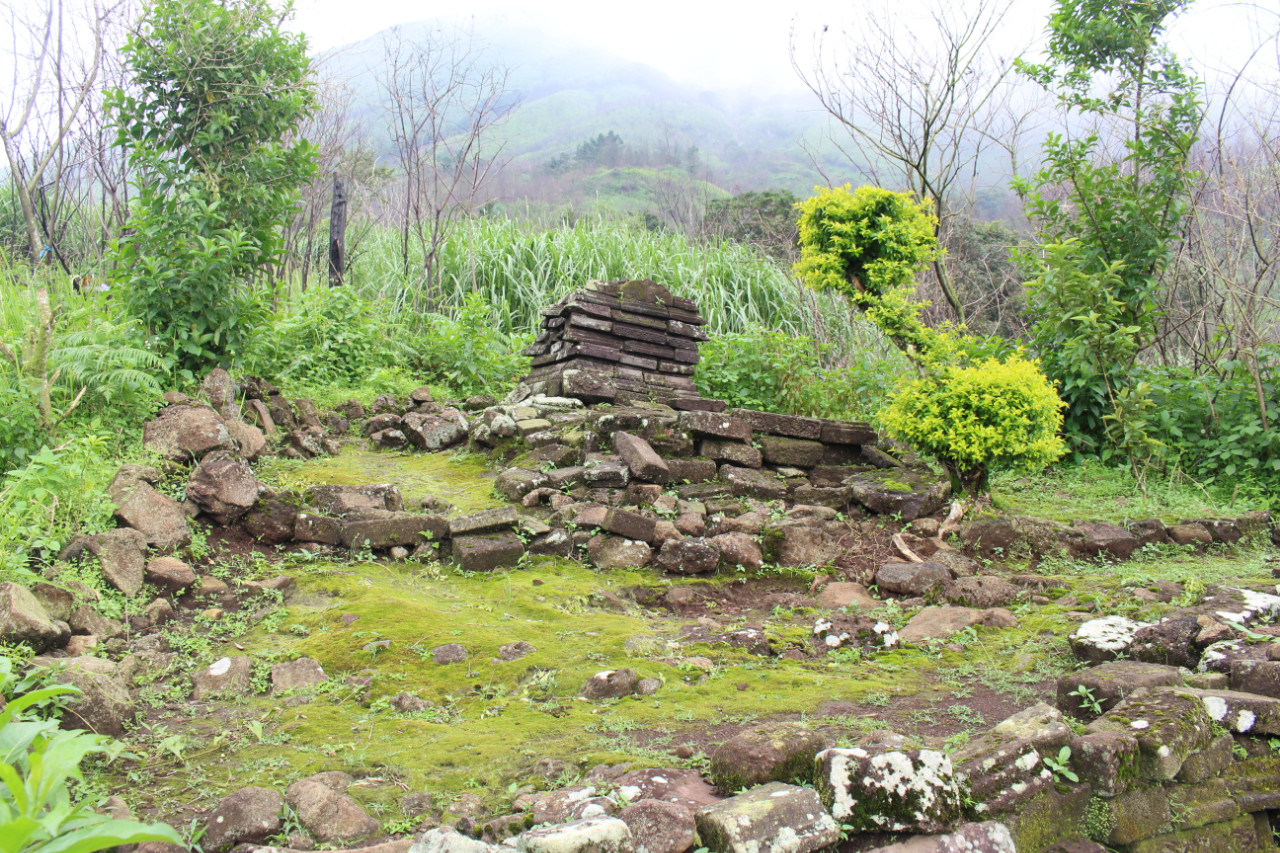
(631, 525)
(779, 450)
(1168, 727)
(773, 818)
(753, 483)
(484, 552)
(1106, 761)
(1256, 676)
(731, 451)
(1105, 639)
(1108, 684)
(771, 752)
(309, 527)
(1000, 773)
(1244, 713)
(1206, 802)
(887, 789)
(716, 425)
(1236, 836)
(389, 532)
(1209, 762)
(769, 423)
(1252, 782)
(691, 470)
(484, 521)
(640, 457)
(1138, 814)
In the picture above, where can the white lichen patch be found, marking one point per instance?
(1216, 707)
(1245, 721)
(1140, 724)
(1109, 634)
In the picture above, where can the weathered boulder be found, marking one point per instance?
(121, 556)
(772, 752)
(272, 520)
(877, 788)
(737, 550)
(220, 390)
(484, 552)
(1169, 727)
(184, 433)
(247, 816)
(592, 835)
(249, 440)
(1098, 539)
(900, 491)
(303, 672)
(1089, 693)
(230, 675)
(331, 817)
(911, 578)
(659, 827)
(1105, 639)
(169, 574)
(773, 818)
(615, 552)
(688, 557)
(223, 486)
(104, 705)
(430, 432)
(935, 623)
(23, 619)
(158, 517)
(611, 684)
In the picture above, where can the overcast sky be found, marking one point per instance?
(745, 41)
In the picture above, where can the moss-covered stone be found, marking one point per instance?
(1168, 727)
(773, 818)
(773, 752)
(1236, 836)
(884, 788)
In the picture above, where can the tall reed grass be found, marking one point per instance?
(520, 268)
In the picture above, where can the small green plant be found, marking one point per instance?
(1088, 702)
(1099, 821)
(1061, 765)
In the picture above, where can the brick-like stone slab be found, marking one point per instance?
(769, 423)
(692, 470)
(640, 457)
(772, 818)
(484, 552)
(716, 426)
(736, 452)
(631, 525)
(480, 522)
(1245, 713)
(1168, 725)
(389, 532)
(780, 450)
(847, 432)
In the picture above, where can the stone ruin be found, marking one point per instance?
(619, 342)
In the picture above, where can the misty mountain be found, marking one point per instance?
(570, 92)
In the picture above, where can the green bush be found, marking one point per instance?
(327, 336)
(776, 372)
(993, 416)
(470, 354)
(38, 762)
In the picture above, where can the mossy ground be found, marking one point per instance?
(492, 720)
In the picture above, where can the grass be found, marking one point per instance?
(1098, 492)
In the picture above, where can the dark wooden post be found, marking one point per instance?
(337, 233)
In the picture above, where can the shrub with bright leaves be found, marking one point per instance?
(977, 406)
(37, 761)
(976, 419)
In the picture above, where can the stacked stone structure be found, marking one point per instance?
(620, 342)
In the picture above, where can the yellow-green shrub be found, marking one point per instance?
(975, 419)
(977, 406)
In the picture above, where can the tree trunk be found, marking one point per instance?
(337, 233)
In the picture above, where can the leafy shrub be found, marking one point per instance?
(992, 416)
(976, 406)
(777, 372)
(38, 761)
(59, 491)
(326, 336)
(470, 354)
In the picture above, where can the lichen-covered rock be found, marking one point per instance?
(1245, 713)
(773, 818)
(1238, 836)
(272, 520)
(986, 837)
(1089, 693)
(1000, 772)
(1171, 642)
(556, 806)
(343, 500)
(771, 752)
(248, 815)
(878, 788)
(753, 483)
(615, 552)
(805, 544)
(1168, 726)
(397, 529)
(1099, 539)
(122, 557)
(1105, 639)
(899, 491)
(1041, 724)
(659, 827)
(230, 675)
(1107, 761)
(431, 433)
(448, 840)
(592, 835)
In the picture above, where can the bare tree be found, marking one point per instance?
(922, 103)
(54, 75)
(442, 98)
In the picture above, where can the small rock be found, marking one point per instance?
(841, 594)
(611, 684)
(515, 651)
(450, 653)
(170, 573)
(407, 703)
(249, 815)
(330, 816)
(229, 675)
(592, 835)
(659, 827)
(295, 674)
